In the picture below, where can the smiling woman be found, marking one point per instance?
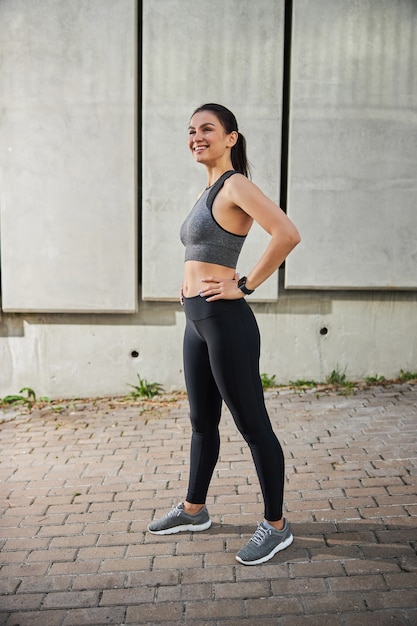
(227, 126)
(221, 341)
(215, 141)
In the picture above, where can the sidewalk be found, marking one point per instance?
(80, 482)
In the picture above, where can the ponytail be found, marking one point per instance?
(239, 158)
(228, 121)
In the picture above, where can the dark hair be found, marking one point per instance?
(229, 123)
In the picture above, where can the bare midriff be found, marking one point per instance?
(194, 271)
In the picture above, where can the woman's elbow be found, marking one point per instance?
(293, 237)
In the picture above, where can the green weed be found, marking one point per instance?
(267, 381)
(16, 400)
(337, 378)
(145, 389)
(375, 379)
(303, 383)
(404, 376)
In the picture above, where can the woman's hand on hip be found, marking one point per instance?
(216, 288)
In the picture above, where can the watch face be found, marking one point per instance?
(242, 286)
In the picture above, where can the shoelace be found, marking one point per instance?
(174, 512)
(260, 535)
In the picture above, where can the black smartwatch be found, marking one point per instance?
(241, 283)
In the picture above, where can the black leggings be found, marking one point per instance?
(221, 361)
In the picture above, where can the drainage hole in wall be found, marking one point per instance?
(324, 331)
(134, 354)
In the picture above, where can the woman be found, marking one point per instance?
(221, 341)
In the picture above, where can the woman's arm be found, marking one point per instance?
(284, 236)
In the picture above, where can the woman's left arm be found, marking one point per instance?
(284, 237)
(284, 234)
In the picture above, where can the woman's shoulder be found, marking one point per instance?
(239, 184)
(238, 181)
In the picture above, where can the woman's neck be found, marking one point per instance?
(214, 173)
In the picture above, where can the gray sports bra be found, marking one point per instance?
(204, 239)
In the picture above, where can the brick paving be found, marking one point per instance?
(81, 480)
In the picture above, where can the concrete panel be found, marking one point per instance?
(73, 356)
(67, 155)
(353, 144)
(194, 52)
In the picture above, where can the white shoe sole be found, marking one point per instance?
(267, 557)
(194, 528)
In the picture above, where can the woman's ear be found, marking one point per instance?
(233, 137)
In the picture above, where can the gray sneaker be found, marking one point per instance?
(264, 544)
(177, 521)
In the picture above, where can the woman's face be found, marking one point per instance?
(207, 138)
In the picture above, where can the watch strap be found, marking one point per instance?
(242, 286)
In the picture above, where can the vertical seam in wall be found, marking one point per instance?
(286, 78)
(139, 136)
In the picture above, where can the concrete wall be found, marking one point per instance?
(353, 144)
(227, 65)
(67, 153)
(369, 333)
(79, 326)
